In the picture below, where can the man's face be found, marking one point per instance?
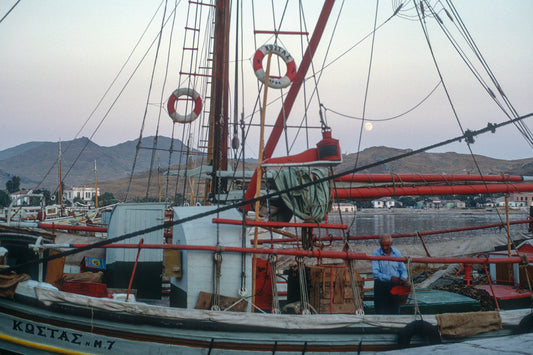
(386, 245)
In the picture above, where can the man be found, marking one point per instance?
(386, 275)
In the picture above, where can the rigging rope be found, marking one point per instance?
(154, 145)
(387, 118)
(9, 11)
(489, 128)
(468, 140)
(358, 150)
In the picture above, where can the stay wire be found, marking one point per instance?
(191, 83)
(101, 100)
(470, 140)
(387, 118)
(524, 129)
(154, 144)
(468, 134)
(367, 86)
(9, 11)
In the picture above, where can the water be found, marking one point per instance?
(410, 221)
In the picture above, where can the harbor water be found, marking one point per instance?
(394, 221)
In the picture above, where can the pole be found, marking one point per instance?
(95, 187)
(259, 175)
(293, 92)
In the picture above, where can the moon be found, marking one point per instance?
(369, 126)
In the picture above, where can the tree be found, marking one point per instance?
(407, 201)
(78, 200)
(36, 201)
(106, 198)
(363, 204)
(13, 185)
(4, 199)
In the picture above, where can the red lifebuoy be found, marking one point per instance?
(176, 117)
(274, 82)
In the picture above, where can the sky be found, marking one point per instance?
(58, 58)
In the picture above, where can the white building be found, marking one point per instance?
(20, 197)
(86, 193)
(343, 207)
(385, 202)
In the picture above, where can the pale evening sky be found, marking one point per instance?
(57, 59)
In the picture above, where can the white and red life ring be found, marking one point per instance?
(274, 82)
(176, 117)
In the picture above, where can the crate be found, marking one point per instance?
(93, 289)
(331, 291)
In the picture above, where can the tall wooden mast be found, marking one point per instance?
(219, 112)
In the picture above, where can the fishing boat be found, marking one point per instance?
(201, 275)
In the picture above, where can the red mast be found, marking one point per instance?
(293, 92)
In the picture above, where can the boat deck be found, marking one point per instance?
(431, 302)
(509, 297)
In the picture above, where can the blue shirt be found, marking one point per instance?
(384, 269)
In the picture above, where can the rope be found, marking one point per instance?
(524, 264)
(491, 288)
(410, 275)
(304, 299)
(272, 260)
(247, 202)
(357, 299)
(216, 281)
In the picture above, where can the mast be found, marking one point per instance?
(219, 116)
(59, 158)
(95, 187)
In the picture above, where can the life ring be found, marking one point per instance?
(176, 117)
(95, 262)
(274, 82)
(526, 324)
(418, 328)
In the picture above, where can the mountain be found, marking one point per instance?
(36, 163)
(434, 163)
(32, 161)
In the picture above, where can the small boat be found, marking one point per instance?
(200, 275)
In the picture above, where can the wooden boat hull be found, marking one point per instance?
(28, 329)
(29, 326)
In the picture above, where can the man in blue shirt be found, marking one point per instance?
(386, 275)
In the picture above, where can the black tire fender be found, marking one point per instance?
(526, 324)
(421, 328)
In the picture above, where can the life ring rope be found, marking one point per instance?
(274, 82)
(171, 105)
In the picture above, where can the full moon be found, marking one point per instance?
(369, 126)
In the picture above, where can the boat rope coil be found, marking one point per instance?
(274, 82)
(171, 105)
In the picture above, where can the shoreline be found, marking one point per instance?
(431, 211)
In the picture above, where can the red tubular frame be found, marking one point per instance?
(374, 178)
(278, 224)
(371, 192)
(321, 254)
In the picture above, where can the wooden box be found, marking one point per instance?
(331, 291)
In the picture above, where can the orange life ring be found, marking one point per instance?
(274, 82)
(176, 117)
